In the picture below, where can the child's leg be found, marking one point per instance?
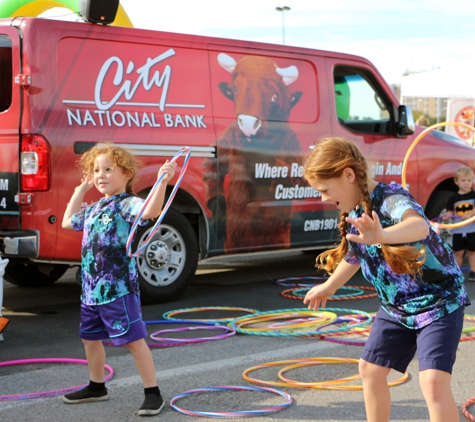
(471, 259)
(144, 362)
(376, 391)
(96, 359)
(459, 257)
(437, 392)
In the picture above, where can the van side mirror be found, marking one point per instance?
(405, 124)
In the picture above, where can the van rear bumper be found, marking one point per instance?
(20, 243)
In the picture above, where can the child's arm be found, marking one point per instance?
(156, 202)
(75, 202)
(317, 296)
(448, 215)
(412, 228)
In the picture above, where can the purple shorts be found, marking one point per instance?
(120, 320)
(392, 345)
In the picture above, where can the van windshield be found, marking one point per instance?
(5, 73)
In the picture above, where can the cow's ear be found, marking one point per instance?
(227, 90)
(295, 98)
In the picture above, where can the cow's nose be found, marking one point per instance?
(249, 125)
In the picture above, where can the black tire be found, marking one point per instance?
(168, 263)
(437, 203)
(29, 274)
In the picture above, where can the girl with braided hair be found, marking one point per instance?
(420, 286)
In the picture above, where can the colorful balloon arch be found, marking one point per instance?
(13, 8)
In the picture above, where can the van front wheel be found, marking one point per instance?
(168, 263)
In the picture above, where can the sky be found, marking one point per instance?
(395, 35)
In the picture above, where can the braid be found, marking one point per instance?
(330, 259)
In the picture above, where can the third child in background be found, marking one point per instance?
(462, 205)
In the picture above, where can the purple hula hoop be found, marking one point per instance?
(50, 393)
(228, 332)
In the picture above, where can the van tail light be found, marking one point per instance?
(35, 163)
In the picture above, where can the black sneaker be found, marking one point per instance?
(152, 405)
(471, 276)
(85, 395)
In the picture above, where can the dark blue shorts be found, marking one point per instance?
(120, 320)
(392, 345)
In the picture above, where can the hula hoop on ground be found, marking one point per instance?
(228, 332)
(465, 407)
(257, 412)
(358, 293)
(322, 385)
(292, 382)
(49, 393)
(251, 319)
(316, 361)
(289, 282)
(316, 319)
(168, 315)
(340, 337)
(171, 344)
(165, 208)
(406, 159)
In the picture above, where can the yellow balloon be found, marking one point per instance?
(14, 8)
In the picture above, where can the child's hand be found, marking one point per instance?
(168, 169)
(87, 182)
(370, 230)
(317, 296)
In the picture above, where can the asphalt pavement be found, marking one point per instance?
(44, 325)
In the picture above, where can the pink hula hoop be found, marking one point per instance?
(49, 393)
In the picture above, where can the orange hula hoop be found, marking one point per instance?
(406, 159)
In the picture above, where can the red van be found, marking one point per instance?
(249, 112)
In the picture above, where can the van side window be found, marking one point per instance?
(360, 106)
(5, 73)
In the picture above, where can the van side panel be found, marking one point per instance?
(148, 95)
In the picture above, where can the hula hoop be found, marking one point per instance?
(257, 412)
(339, 337)
(322, 320)
(316, 361)
(321, 385)
(285, 281)
(228, 332)
(404, 169)
(168, 315)
(251, 319)
(50, 393)
(317, 319)
(292, 382)
(161, 345)
(465, 407)
(358, 293)
(165, 208)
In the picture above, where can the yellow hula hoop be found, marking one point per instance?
(329, 385)
(303, 361)
(321, 385)
(319, 318)
(406, 159)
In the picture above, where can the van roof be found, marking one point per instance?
(41, 24)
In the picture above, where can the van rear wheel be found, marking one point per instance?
(32, 274)
(168, 263)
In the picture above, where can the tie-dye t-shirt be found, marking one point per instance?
(414, 301)
(107, 271)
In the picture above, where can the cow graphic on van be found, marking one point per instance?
(259, 141)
